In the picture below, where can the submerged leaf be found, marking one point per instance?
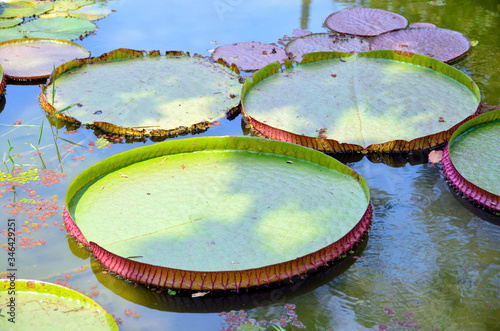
(67, 28)
(49, 304)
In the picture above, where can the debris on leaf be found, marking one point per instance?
(199, 294)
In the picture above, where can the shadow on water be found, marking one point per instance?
(26, 82)
(218, 301)
(394, 160)
(474, 207)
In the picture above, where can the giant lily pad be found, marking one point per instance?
(217, 212)
(7, 23)
(10, 33)
(34, 58)
(376, 101)
(442, 44)
(365, 21)
(67, 28)
(126, 92)
(41, 306)
(250, 55)
(471, 160)
(325, 42)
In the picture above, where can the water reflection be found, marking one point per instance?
(219, 300)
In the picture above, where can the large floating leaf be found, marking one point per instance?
(325, 42)
(442, 44)
(365, 21)
(378, 101)
(250, 55)
(91, 13)
(10, 33)
(128, 93)
(23, 8)
(471, 160)
(44, 306)
(217, 212)
(7, 23)
(67, 28)
(33, 58)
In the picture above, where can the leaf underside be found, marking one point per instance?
(237, 215)
(41, 305)
(378, 101)
(471, 160)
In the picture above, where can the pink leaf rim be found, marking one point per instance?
(473, 192)
(367, 22)
(468, 189)
(164, 277)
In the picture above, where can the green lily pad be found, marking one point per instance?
(10, 22)
(375, 101)
(240, 215)
(471, 160)
(10, 34)
(41, 306)
(128, 93)
(34, 58)
(91, 13)
(67, 28)
(23, 8)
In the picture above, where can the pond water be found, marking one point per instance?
(430, 261)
